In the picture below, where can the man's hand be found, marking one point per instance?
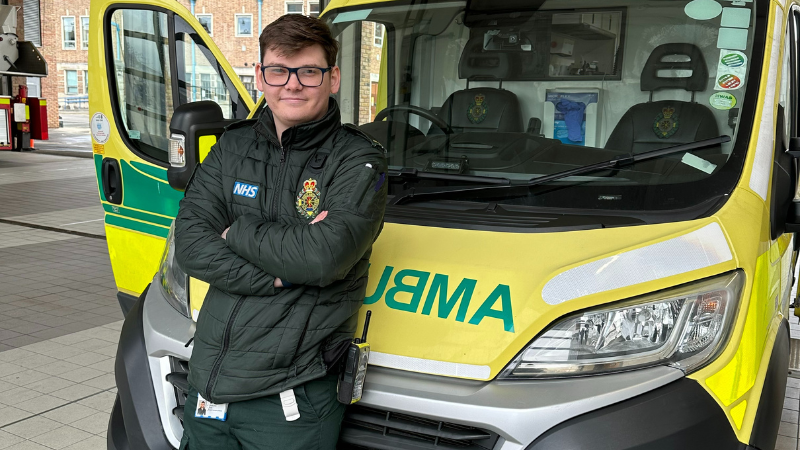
(319, 218)
(225, 233)
(278, 283)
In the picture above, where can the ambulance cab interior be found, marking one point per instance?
(513, 90)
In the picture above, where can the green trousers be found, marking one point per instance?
(260, 424)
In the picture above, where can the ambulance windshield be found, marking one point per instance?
(507, 91)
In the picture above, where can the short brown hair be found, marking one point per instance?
(294, 32)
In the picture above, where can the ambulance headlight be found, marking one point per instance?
(173, 281)
(684, 327)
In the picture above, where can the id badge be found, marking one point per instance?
(207, 410)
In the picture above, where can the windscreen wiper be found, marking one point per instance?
(415, 173)
(616, 163)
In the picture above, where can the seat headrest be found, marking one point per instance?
(698, 81)
(477, 64)
(482, 109)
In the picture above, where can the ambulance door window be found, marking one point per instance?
(200, 76)
(140, 69)
(361, 52)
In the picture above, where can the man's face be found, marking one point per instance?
(294, 104)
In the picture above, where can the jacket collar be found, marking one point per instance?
(306, 136)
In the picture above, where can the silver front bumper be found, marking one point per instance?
(518, 411)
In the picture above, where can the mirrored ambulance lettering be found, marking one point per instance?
(497, 304)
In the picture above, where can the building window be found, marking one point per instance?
(294, 8)
(72, 81)
(68, 33)
(85, 81)
(249, 83)
(84, 33)
(244, 25)
(313, 9)
(222, 92)
(378, 35)
(207, 21)
(206, 91)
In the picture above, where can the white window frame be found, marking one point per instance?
(287, 3)
(66, 82)
(236, 25)
(211, 22)
(74, 30)
(84, 42)
(312, 2)
(378, 26)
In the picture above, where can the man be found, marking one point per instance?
(279, 220)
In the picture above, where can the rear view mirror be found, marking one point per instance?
(190, 123)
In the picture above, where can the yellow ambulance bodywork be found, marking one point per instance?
(510, 270)
(137, 228)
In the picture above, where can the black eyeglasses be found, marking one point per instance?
(307, 76)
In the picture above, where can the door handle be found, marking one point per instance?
(111, 178)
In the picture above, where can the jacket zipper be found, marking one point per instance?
(276, 194)
(226, 340)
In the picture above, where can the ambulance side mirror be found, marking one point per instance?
(793, 213)
(191, 122)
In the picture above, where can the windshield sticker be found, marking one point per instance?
(733, 38)
(98, 148)
(666, 123)
(352, 16)
(134, 134)
(722, 101)
(698, 163)
(703, 9)
(735, 17)
(101, 128)
(731, 70)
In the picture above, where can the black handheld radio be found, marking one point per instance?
(351, 380)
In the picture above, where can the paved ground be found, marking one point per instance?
(74, 136)
(59, 317)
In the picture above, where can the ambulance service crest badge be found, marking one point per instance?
(308, 199)
(477, 109)
(666, 123)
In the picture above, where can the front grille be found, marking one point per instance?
(179, 380)
(371, 428)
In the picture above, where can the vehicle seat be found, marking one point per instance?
(653, 125)
(483, 109)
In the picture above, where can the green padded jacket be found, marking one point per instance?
(252, 338)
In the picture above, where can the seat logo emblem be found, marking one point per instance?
(245, 190)
(477, 109)
(308, 199)
(666, 123)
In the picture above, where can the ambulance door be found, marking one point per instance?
(145, 60)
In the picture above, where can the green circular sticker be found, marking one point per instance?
(723, 101)
(733, 60)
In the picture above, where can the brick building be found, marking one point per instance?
(233, 24)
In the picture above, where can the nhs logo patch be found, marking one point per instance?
(245, 190)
